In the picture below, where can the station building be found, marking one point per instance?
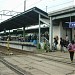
(60, 23)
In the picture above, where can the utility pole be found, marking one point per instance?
(24, 5)
(46, 8)
(24, 26)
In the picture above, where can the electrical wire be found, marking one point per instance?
(48, 7)
(60, 4)
(51, 7)
(35, 3)
(17, 6)
(23, 4)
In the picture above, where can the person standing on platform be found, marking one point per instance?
(67, 40)
(8, 43)
(55, 43)
(61, 44)
(71, 49)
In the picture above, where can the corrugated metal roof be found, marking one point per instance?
(27, 18)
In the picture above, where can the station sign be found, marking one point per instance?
(71, 24)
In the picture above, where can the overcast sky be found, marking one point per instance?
(18, 5)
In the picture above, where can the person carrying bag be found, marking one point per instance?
(71, 49)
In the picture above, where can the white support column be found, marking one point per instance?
(39, 28)
(60, 29)
(50, 33)
(23, 32)
(9, 32)
(5, 31)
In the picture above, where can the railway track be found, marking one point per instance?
(57, 59)
(14, 68)
(20, 52)
(16, 52)
(20, 71)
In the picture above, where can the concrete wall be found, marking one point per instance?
(61, 32)
(56, 31)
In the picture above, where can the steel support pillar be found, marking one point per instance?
(50, 34)
(9, 32)
(23, 32)
(39, 28)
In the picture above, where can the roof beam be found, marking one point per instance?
(41, 13)
(63, 16)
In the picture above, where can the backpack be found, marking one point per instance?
(73, 47)
(70, 47)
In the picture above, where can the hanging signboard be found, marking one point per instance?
(71, 24)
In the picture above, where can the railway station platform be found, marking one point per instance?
(58, 56)
(51, 63)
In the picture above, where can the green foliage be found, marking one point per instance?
(45, 46)
(38, 46)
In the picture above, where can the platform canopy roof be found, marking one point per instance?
(24, 19)
(63, 13)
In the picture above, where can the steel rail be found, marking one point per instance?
(15, 68)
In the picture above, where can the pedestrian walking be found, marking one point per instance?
(61, 44)
(71, 49)
(67, 40)
(65, 45)
(55, 43)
